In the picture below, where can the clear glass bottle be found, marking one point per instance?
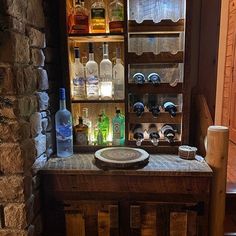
(138, 134)
(168, 132)
(81, 133)
(153, 134)
(116, 17)
(87, 122)
(118, 129)
(63, 123)
(106, 86)
(171, 108)
(80, 24)
(92, 81)
(98, 17)
(79, 91)
(118, 77)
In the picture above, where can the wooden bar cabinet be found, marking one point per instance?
(155, 45)
(167, 197)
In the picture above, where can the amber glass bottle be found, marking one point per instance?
(81, 133)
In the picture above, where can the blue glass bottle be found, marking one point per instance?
(63, 122)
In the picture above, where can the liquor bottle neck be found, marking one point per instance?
(77, 60)
(62, 104)
(91, 56)
(118, 61)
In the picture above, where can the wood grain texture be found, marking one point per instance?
(75, 225)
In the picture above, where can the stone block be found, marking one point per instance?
(12, 24)
(36, 38)
(20, 188)
(6, 80)
(35, 14)
(14, 48)
(40, 144)
(43, 100)
(7, 107)
(42, 78)
(26, 106)
(14, 232)
(13, 131)
(39, 163)
(15, 8)
(15, 215)
(35, 124)
(37, 57)
(51, 145)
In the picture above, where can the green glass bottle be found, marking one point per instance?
(104, 126)
(118, 129)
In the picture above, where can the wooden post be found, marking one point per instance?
(216, 157)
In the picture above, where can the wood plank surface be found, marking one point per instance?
(75, 224)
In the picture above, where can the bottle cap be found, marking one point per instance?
(76, 52)
(62, 94)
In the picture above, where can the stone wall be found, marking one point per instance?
(29, 77)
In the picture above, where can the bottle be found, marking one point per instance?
(98, 17)
(106, 75)
(118, 129)
(92, 81)
(138, 134)
(170, 107)
(116, 17)
(80, 23)
(79, 91)
(118, 77)
(168, 132)
(63, 123)
(81, 133)
(153, 134)
(153, 106)
(87, 122)
(104, 125)
(139, 78)
(154, 78)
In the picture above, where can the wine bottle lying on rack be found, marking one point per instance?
(170, 107)
(138, 134)
(154, 78)
(153, 107)
(139, 78)
(153, 134)
(168, 132)
(137, 105)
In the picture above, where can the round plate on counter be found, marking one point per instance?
(121, 157)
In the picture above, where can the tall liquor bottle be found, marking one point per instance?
(105, 75)
(81, 133)
(87, 122)
(138, 134)
(153, 134)
(116, 17)
(98, 17)
(80, 23)
(79, 91)
(63, 123)
(118, 129)
(92, 81)
(118, 77)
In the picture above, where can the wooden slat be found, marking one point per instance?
(103, 223)
(149, 57)
(191, 223)
(148, 220)
(178, 224)
(163, 88)
(75, 224)
(150, 26)
(147, 117)
(135, 217)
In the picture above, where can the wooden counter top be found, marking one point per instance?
(160, 165)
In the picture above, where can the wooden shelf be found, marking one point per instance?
(148, 26)
(147, 117)
(97, 101)
(85, 38)
(163, 88)
(149, 57)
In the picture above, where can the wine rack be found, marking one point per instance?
(146, 46)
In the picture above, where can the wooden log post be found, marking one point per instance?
(217, 157)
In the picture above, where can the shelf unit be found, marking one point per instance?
(147, 29)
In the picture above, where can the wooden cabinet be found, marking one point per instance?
(169, 196)
(153, 45)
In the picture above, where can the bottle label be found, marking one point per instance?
(117, 14)
(116, 133)
(81, 138)
(98, 13)
(79, 86)
(64, 132)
